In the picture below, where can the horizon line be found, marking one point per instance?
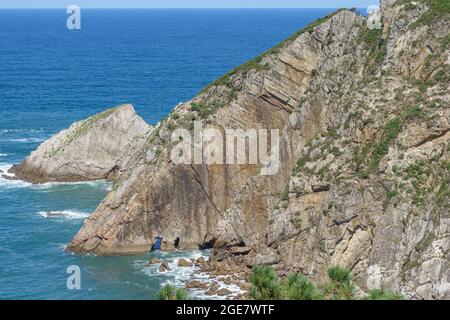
(174, 8)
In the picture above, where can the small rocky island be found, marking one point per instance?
(92, 149)
(364, 177)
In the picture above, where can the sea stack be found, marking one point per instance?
(90, 149)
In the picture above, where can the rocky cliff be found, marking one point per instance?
(205, 205)
(372, 191)
(92, 149)
(364, 160)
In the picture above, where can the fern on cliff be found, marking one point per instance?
(381, 294)
(169, 292)
(266, 285)
(340, 286)
(298, 287)
(265, 282)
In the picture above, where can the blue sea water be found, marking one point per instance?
(51, 77)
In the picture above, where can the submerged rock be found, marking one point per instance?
(195, 284)
(200, 261)
(213, 288)
(245, 286)
(164, 267)
(50, 214)
(223, 292)
(154, 261)
(184, 263)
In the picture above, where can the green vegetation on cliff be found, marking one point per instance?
(258, 64)
(83, 128)
(298, 287)
(340, 285)
(371, 39)
(169, 292)
(87, 124)
(437, 10)
(381, 294)
(368, 158)
(266, 285)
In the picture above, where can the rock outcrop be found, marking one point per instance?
(92, 149)
(203, 204)
(364, 155)
(363, 177)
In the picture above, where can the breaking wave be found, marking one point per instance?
(21, 130)
(69, 214)
(180, 276)
(24, 140)
(9, 184)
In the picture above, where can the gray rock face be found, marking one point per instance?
(364, 151)
(200, 204)
(371, 193)
(92, 149)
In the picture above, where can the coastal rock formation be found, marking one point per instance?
(203, 204)
(364, 154)
(363, 175)
(92, 149)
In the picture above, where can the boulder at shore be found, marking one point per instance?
(90, 149)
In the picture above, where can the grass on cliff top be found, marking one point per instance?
(256, 63)
(83, 128)
(437, 10)
(225, 80)
(87, 124)
(308, 29)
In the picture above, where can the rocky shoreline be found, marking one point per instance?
(206, 278)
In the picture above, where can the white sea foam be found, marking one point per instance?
(69, 214)
(3, 154)
(25, 140)
(179, 276)
(21, 130)
(12, 184)
(103, 184)
(8, 183)
(4, 167)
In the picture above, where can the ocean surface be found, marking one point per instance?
(51, 77)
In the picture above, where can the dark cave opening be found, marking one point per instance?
(176, 243)
(207, 245)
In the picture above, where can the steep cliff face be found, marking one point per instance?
(92, 149)
(201, 205)
(364, 160)
(371, 193)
